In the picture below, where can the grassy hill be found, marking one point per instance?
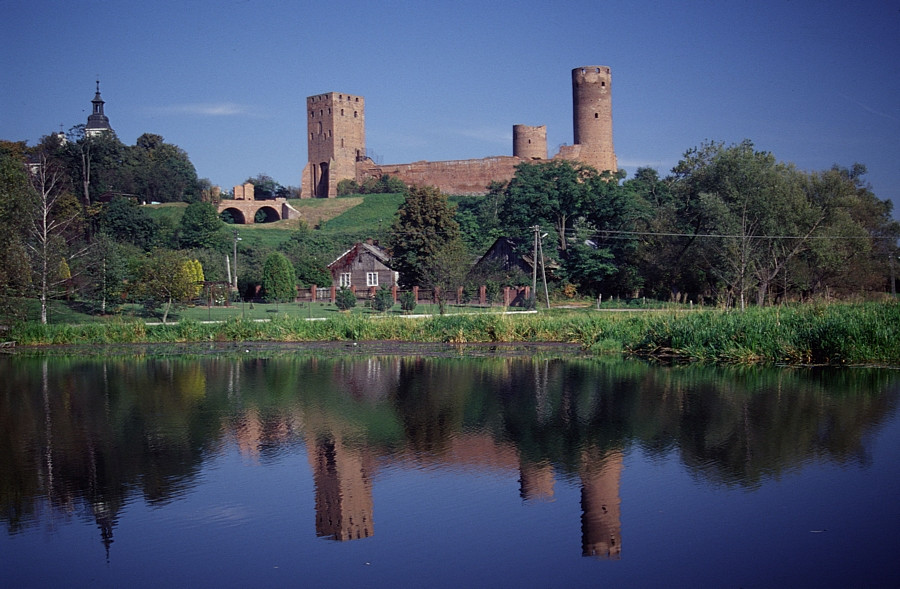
(343, 220)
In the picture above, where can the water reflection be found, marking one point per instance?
(83, 437)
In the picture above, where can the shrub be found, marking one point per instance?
(347, 186)
(383, 300)
(408, 301)
(345, 299)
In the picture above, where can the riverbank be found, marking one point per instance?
(834, 334)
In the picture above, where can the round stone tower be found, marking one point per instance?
(592, 116)
(530, 143)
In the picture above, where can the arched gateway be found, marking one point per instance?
(244, 211)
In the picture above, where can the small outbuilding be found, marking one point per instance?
(510, 255)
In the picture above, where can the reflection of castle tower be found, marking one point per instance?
(97, 122)
(601, 526)
(536, 481)
(343, 489)
(336, 139)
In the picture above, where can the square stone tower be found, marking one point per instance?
(336, 140)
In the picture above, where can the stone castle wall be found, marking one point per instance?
(451, 177)
(336, 144)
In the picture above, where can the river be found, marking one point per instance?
(450, 467)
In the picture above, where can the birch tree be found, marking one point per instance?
(51, 215)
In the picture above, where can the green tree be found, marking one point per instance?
(408, 301)
(279, 281)
(200, 225)
(383, 300)
(164, 280)
(15, 268)
(162, 172)
(125, 221)
(757, 208)
(107, 270)
(97, 164)
(865, 236)
(446, 271)
(265, 187)
(345, 299)
(479, 218)
(552, 194)
(424, 227)
(308, 252)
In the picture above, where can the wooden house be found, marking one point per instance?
(363, 266)
(511, 257)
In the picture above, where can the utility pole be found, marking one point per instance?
(236, 239)
(539, 258)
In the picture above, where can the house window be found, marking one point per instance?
(345, 280)
(371, 278)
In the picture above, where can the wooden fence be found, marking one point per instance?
(510, 296)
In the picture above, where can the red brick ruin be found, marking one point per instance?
(336, 141)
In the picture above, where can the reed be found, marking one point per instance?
(836, 334)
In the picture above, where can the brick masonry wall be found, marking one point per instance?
(337, 143)
(451, 177)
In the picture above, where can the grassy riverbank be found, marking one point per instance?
(841, 334)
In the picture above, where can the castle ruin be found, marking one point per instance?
(336, 144)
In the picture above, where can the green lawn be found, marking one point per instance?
(75, 312)
(376, 212)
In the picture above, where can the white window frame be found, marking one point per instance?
(371, 278)
(345, 279)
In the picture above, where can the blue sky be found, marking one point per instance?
(816, 83)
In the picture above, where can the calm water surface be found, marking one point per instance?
(290, 467)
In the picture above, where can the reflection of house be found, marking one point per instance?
(362, 266)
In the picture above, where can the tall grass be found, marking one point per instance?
(805, 334)
(836, 334)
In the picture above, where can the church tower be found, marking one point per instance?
(336, 140)
(97, 122)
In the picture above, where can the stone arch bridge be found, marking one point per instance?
(244, 211)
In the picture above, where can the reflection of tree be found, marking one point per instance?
(83, 434)
(430, 400)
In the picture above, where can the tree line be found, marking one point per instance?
(728, 225)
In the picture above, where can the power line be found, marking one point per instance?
(726, 236)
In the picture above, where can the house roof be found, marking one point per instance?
(378, 252)
(506, 251)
